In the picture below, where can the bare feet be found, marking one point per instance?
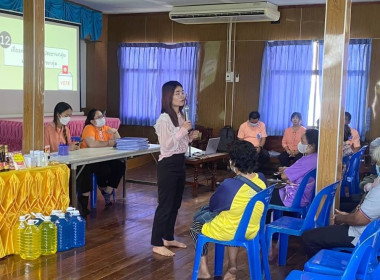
(204, 273)
(174, 243)
(163, 251)
(231, 274)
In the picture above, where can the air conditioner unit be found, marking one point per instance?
(224, 13)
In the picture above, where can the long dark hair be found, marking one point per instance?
(91, 116)
(167, 98)
(59, 109)
(312, 135)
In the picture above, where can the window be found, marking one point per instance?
(301, 63)
(144, 68)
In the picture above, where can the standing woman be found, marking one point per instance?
(173, 135)
(57, 131)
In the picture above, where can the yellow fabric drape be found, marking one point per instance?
(38, 190)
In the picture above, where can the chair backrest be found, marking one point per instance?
(324, 215)
(302, 186)
(360, 258)
(370, 229)
(264, 196)
(354, 163)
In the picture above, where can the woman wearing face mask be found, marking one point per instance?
(290, 140)
(229, 202)
(294, 174)
(96, 135)
(57, 131)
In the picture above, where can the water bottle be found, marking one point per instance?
(64, 231)
(30, 241)
(54, 215)
(38, 217)
(79, 230)
(48, 237)
(68, 213)
(19, 226)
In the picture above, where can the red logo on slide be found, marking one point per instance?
(65, 69)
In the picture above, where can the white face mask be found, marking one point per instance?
(232, 167)
(302, 148)
(64, 120)
(100, 122)
(253, 124)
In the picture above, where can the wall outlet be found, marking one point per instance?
(229, 77)
(236, 78)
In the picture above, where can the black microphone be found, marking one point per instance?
(186, 111)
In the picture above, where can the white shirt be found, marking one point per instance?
(370, 208)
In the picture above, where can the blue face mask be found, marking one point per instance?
(377, 170)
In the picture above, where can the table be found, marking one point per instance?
(38, 190)
(93, 155)
(197, 161)
(11, 129)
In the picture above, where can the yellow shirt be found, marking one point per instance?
(225, 224)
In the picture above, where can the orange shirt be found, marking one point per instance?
(291, 138)
(53, 136)
(355, 140)
(92, 131)
(252, 134)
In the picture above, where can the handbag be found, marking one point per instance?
(205, 215)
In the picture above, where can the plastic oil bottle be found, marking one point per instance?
(64, 233)
(19, 226)
(30, 241)
(48, 237)
(79, 230)
(54, 215)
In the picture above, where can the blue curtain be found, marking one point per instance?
(144, 68)
(91, 21)
(285, 83)
(358, 69)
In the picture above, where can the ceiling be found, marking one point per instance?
(152, 6)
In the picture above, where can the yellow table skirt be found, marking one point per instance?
(38, 190)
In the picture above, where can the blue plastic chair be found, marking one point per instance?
(351, 177)
(94, 192)
(252, 246)
(286, 226)
(332, 262)
(296, 205)
(359, 259)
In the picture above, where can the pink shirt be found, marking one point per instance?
(53, 136)
(173, 140)
(252, 134)
(355, 140)
(291, 138)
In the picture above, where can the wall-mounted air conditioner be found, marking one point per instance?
(224, 13)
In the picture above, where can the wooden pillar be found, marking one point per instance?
(337, 31)
(34, 73)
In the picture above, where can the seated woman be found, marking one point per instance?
(230, 200)
(294, 174)
(95, 135)
(347, 150)
(290, 140)
(57, 131)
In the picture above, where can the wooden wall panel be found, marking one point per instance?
(296, 23)
(159, 28)
(287, 29)
(96, 76)
(247, 91)
(313, 23)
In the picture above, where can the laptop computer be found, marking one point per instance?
(211, 148)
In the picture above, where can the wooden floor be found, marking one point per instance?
(118, 242)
